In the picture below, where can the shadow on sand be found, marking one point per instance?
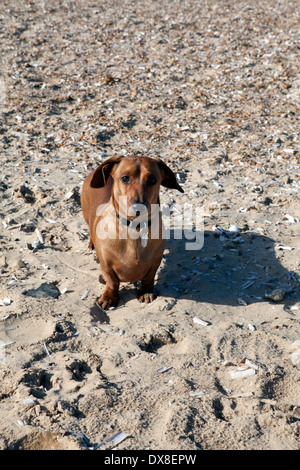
(225, 269)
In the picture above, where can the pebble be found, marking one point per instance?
(44, 291)
(295, 356)
(276, 295)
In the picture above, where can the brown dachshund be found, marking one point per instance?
(120, 203)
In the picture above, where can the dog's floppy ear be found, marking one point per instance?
(168, 177)
(103, 171)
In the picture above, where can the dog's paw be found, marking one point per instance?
(146, 297)
(108, 300)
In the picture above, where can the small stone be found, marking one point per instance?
(44, 291)
(296, 357)
(21, 264)
(276, 295)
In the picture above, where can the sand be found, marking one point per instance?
(213, 89)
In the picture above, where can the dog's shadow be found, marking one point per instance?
(231, 269)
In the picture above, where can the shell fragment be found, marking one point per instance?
(86, 293)
(245, 368)
(113, 440)
(199, 321)
(291, 219)
(242, 373)
(196, 394)
(163, 369)
(39, 235)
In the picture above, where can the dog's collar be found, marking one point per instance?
(133, 223)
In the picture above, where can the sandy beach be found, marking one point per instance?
(213, 89)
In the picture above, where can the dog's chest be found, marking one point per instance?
(132, 262)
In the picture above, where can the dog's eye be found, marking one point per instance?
(152, 180)
(125, 179)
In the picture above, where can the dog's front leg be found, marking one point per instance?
(145, 293)
(110, 296)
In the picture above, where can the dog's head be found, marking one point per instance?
(136, 181)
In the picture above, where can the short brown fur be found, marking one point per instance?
(125, 259)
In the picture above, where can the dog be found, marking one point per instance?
(120, 204)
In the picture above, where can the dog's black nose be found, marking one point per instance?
(138, 207)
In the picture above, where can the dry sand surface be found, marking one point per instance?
(212, 87)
